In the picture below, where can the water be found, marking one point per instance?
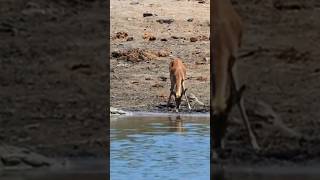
(160, 147)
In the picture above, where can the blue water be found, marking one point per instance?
(152, 148)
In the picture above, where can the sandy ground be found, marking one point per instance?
(144, 85)
(52, 76)
(278, 62)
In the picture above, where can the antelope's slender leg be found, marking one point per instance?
(171, 93)
(220, 105)
(185, 95)
(241, 106)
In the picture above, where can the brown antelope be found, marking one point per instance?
(178, 75)
(225, 88)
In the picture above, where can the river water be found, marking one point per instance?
(160, 147)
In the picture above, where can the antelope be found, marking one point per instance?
(227, 33)
(177, 77)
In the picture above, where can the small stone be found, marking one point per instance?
(190, 19)
(202, 78)
(157, 85)
(165, 21)
(163, 53)
(149, 36)
(152, 38)
(130, 39)
(134, 3)
(116, 111)
(193, 39)
(163, 78)
(147, 14)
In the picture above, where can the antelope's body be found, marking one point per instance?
(178, 75)
(227, 33)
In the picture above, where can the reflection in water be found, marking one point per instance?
(172, 147)
(176, 123)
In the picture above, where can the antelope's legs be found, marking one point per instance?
(171, 93)
(240, 103)
(185, 95)
(221, 108)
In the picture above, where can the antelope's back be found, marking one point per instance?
(177, 68)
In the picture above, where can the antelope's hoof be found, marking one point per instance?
(214, 157)
(256, 147)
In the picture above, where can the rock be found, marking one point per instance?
(152, 38)
(130, 39)
(33, 12)
(115, 111)
(16, 158)
(193, 39)
(36, 160)
(203, 38)
(149, 36)
(163, 78)
(163, 53)
(190, 19)
(193, 98)
(202, 78)
(164, 39)
(165, 21)
(33, 5)
(116, 54)
(120, 35)
(199, 63)
(157, 85)
(10, 160)
(134, 3)
(147, 14)
(136, 55)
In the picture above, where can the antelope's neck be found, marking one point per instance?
(221, 7)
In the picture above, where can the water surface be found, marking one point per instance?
(160, 147)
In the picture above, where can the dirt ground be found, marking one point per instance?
(278, 62)
(145, 84)
(52, 76)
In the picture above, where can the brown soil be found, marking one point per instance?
(277, 62)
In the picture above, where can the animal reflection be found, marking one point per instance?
(176, 124)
